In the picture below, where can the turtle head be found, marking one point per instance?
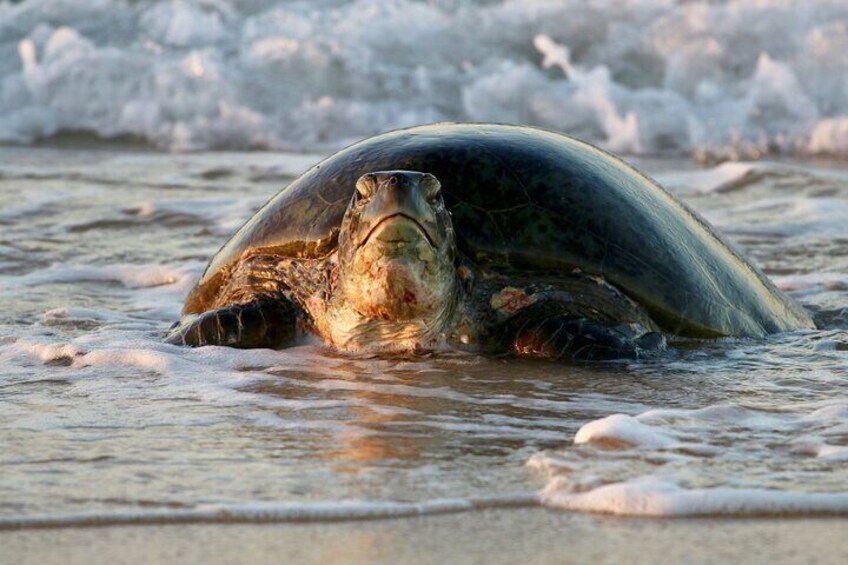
(397, 248)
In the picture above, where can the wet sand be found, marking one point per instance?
(526, 536)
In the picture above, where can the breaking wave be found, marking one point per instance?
(730, 79)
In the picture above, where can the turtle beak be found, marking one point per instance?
(398, 229)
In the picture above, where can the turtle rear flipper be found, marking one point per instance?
(561, 337)
(263, 323)
(576, 317)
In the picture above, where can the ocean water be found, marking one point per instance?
(717, 79)
(102, 423)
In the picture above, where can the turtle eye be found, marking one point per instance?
(431, 187)
(366, 185)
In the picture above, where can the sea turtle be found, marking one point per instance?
(497, 238)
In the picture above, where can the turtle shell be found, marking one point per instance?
(525, 199)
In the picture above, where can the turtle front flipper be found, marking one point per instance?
(263, 323)
(560, 337)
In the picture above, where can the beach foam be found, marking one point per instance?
(642, 466)
(652, 76)
(649, 496)
(271, 512)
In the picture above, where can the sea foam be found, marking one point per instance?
(642, 466)
(272, 512)
(651, 76)
(653, 497)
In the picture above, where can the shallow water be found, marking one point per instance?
(101, 422)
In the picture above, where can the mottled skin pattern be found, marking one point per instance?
(273, 302)
(525, 204)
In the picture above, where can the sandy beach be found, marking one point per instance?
(528, 536)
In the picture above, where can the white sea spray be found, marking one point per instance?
(738, 78)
